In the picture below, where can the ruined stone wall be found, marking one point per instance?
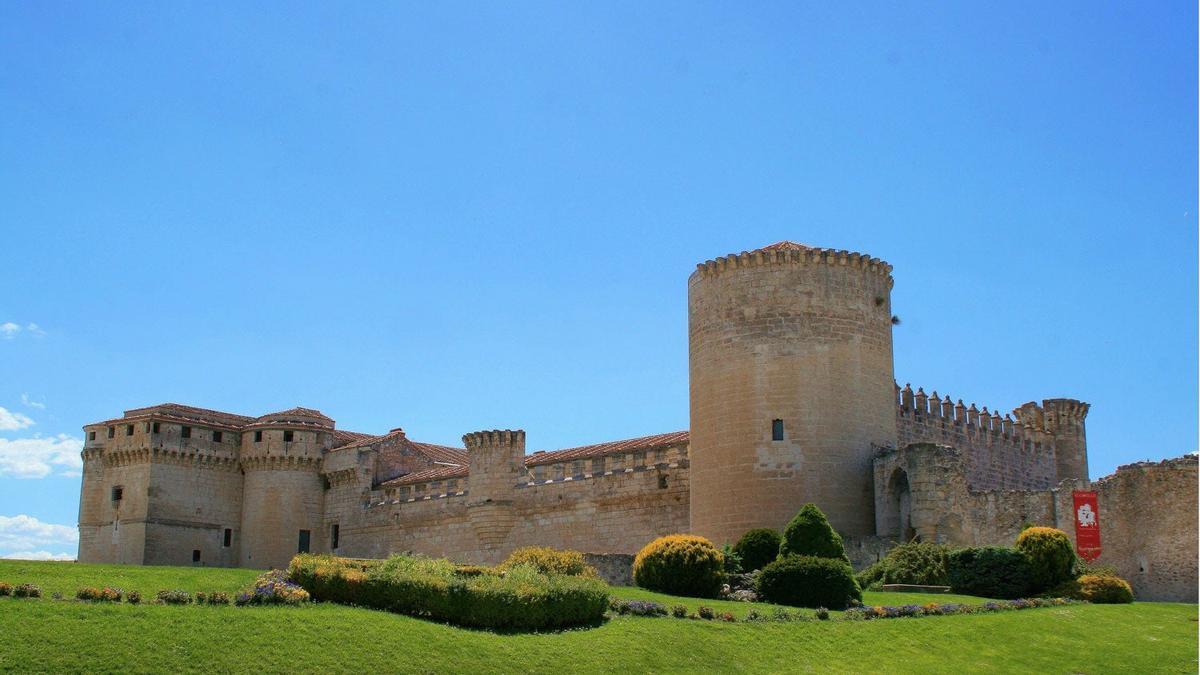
(1148, 513)
(618, 511)
(999, 453)
(799, 335)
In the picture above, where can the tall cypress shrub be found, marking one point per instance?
(809, 533)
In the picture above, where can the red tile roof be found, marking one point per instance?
(785, 246)
(436, 473)
(612, 447)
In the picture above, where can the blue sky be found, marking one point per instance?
(474, 215)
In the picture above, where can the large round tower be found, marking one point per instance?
(792, 390)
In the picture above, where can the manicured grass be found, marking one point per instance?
(739, 609)
(67, 577)
(48, 635)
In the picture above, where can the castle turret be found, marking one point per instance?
(283, 498)
(1064, 418)
(497, 462)
(792, 387)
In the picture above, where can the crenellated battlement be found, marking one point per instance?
(788, 252)
(496, 438)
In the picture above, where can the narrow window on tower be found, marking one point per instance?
(117, 493)
(258, 437)
(91, 435)
(302, 546)
(128, 429)
(216, 437)
(111, 431)
(185, 432)
(154, 428)
(228, 540)
(288, 436)
(195, 555)
(334, 536)
(777, 430)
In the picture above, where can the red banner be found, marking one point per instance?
(1087, 525)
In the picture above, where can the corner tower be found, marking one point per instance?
(792, 389)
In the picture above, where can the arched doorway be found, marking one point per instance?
(900, 505)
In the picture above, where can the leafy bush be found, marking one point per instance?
(1051, 556)
(474, 570)
(5, 589)
(641, 608)
(758, 547)
(27, 591)
(133, 598)
(809, 581)
(733, 561)
(550, 561)
(93, 594)
(728, 616)
(520, 598)
(706, 613)
(990, 572)
(680, 564)
(679, 611)
(1099, 589)
(175, 597)
(810, 534)
(913, 563)
(822, 614)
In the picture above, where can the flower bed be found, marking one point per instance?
(936, 609)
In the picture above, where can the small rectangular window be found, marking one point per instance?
(334, 536)
(91, 435)
(195, 555)
(777, 430)
(258, 437)
(117, 493)
(216, 437)
(288, 436)
(147, 427)
(112, 431)
(185, 432)
(227, 541)
(128, 429)
(662, 482)
(302, 546)
(154, 428)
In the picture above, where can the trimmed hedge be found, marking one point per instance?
(1051, 556)
(680, 564)
(989, 572)
(810, 534)
(519, 598)
(914, 563)
(757, 548)
(550, 561)
(809, 581)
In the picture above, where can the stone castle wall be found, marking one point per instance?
(1148, 521)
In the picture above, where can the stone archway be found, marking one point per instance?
(900, 507)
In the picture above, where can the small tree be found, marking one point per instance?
(1051, 556)
(758, 547)
(809, 533)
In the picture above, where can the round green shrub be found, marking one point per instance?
(914, 563)
(758, 547)
(809, 533)
(1101, 589)
(989, 572)
(809, 581)
(680, 564)
(1051, 556)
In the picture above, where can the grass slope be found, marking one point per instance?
(44, 635)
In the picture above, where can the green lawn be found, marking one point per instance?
(47, 635)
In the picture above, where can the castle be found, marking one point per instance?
(792, 398)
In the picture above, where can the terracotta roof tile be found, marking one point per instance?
(612, 447)
(436, 473)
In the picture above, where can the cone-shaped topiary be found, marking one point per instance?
(1051, 556)
(809, 533)
(758, 547)
(681, 564)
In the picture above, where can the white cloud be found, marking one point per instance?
(28, 401)
(35, 329)
(9, 330)
(38, 457)
(27, 536)
(38, 555)
(11, 421)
